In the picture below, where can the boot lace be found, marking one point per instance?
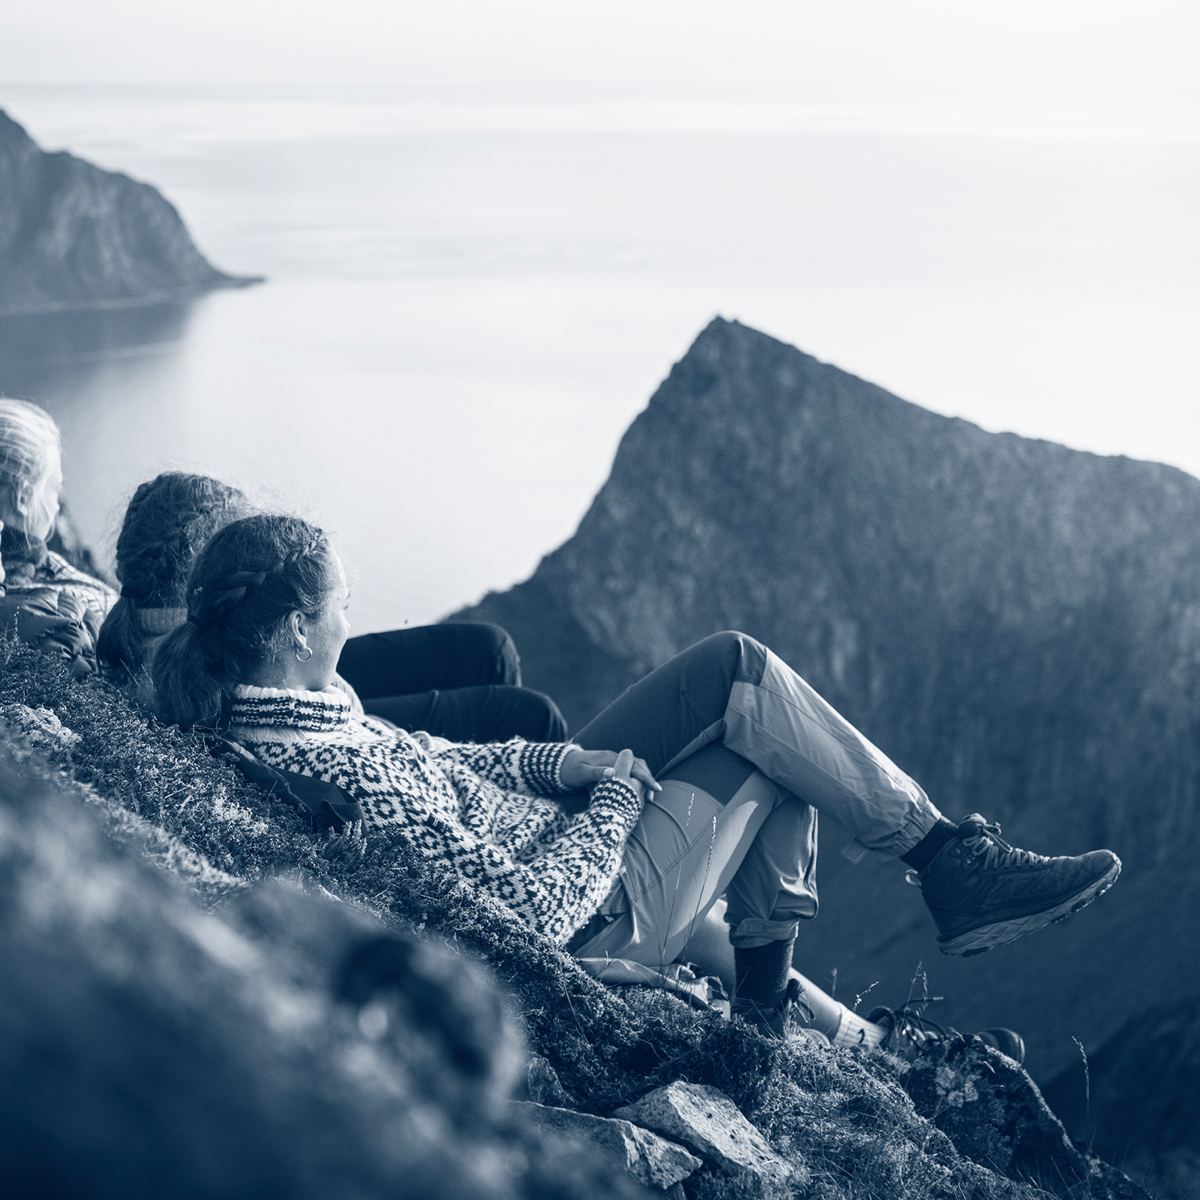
(981, 838)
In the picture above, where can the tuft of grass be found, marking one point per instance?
(1087, 1094)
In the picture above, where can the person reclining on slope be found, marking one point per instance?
(581, 840)
(461, 680)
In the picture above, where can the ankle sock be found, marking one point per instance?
(854, 1030)
(761, 972)
(922, 854)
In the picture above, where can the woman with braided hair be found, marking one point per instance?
(460, 681)
(43, 599)
(166, 523)
(581, 840)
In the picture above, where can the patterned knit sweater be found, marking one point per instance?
(483, 809)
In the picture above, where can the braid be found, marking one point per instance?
(167, 522)
(246, 581)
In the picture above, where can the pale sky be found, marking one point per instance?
(1099, 56)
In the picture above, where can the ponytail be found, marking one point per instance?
(186, 691)
(119, 643)
(245, 583)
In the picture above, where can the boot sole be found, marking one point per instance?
(981, 940)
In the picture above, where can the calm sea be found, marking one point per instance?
(471, 298)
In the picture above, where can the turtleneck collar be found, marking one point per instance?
(156, 622)
(315, 712)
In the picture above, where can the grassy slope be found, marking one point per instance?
(842, 1117)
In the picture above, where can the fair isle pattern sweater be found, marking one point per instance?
(482, 809)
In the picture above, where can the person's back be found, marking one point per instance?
(43, 599)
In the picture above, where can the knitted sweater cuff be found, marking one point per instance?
(618, 797)
(541, 765)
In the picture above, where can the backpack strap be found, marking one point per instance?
(325, 804)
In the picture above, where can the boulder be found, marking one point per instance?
(994, 1114)
(653, 1160)
(708, 1122)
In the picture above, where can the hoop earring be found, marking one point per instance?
(306, 657)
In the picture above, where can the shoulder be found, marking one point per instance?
(57, 572)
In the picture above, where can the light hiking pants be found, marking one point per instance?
(747, 754)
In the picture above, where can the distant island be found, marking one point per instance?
(73, 236)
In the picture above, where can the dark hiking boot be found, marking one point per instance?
(910, 1035)
(774, 1020)
(982, 892)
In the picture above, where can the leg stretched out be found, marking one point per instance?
(740, 817)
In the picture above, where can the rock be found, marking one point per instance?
(542, 1085)
(708, 1122)
(995, 1115)
(654, 1160)
(74, 236)
(38, 727)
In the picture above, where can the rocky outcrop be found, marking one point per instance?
(709, 1123)
(1016, 623)
(74, 236)
(289, 1046)
(655, 1161)
(983, 1102)
(168, 1015)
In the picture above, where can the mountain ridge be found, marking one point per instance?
(74, 236)
(1016, 623)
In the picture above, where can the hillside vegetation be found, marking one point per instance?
(193, 986)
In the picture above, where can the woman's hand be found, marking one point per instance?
(583, 768)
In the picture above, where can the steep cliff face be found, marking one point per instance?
(1016, 623)
(74, 236)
